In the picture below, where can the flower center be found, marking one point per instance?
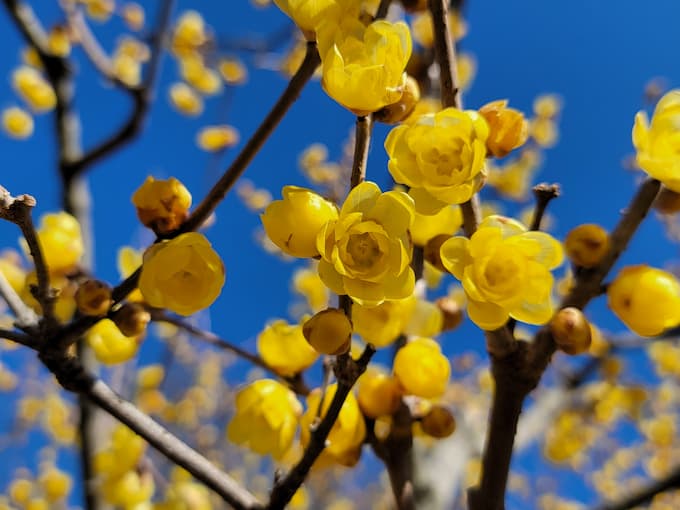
(364, 250)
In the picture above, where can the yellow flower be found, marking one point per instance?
(366, 252)
(378, 393)
(34, 89)
(505, 272)
(216, 138)
(658, 144)
(185, 99)
(306, 281)
(307, 14)
(109, 344)
(293, 223)
(58, 41)
(127, 69)
(162, 204)
(17, 122)
(347, 435)
(129, 490)
(422, 369)
(423, 32)
(363, 66)
(56, 484)
(183, 274)
(233, 71)
(381, 325)
(428, 226)
(266, 418)
(283, 347)
(508, 129)
(646, 299)
(440, 157)
(99, 10)
(93, 297)
(189, 33)
(133, 15)
(200, 77)
(128, 261)
(61, 241)
(329, 331)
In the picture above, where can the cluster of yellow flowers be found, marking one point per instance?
(49, 489)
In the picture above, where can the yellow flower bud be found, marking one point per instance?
(99, 10)
(185, 99)
(61, 241)
(646, 299)
(59, 42)
(363, 66)
(366, 252)
(34, 89)
(133, 16)
(127, 69)
(425, 227)
(183, 274)
(283, 347)
(131, 319)
(266, 418)
(294, 222)
(56, 484)
(189, 33)
(505, 271)
(587, 244)
(422, 369)
(571, 331)
(329, 331)
(439, 422)
(667, 201)
(20, 490)
(17, 122)
(233, 71)
(658, 143)
(507, 128)
(440, 157)
(162, 205)
(202, 78)
(109, 345)
(378, 393)
(216, 138)
(93, 297)
(397, 112)
(344, 441)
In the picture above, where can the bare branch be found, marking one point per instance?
(362, 141)
(16, 336)
(543, 194)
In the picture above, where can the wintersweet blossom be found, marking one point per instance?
(109, 345)
(284, 348)
(266, 418)
(162, 204)
(505, 272)
(421, 368)
(658, 143)
(183, 274)
(366, 252)
(440, 157)
(61, 241)
(363, 66)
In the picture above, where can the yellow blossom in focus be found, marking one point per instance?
(440, 157)
(363, 66)
(307, 14)
(34, 89)
(366, 252)
(233, 71)
(507, 127)
(216, 138)
(646, 299)
(381, 325)
(109, 345)
(422, 369)
(266, 418)
(329, 331)
(347, 435)
(128, 261)
(189, 33)
(133, 16)
(428, 226)
(283, 347)
(378, 393)
(60, 240)
(307, 282)
(183, 274)
(505, 271)
(185, 99)
(162, 204)
(294, 222)
(17, 122)
(658, 143)
(58, 41)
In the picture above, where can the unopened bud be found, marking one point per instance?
(131, 319)
(329, 331)
(438, 423)
(432, 251)
(396, 112)
(508, 129)
(414, 5)
(587, 244)
(667, 201)
(93, 297)
(571, 331)
(451, 311)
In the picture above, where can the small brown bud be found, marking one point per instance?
(587, 244)
(667, 201)
(329, 331)
(93, 297)
(571, 331)
(131, 319)
(396, 112)
(432, 251)
(414, 5)
(439, 422)
(452, 313)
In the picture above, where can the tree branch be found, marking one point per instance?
(646, 494)
(362, 141)
(15, 336)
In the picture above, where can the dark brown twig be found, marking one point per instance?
(543, 194)
(362, 142)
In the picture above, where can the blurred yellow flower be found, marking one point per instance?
(216, 138)
(185, 99)
(421, 368)
(109, 345)
(283, 347)
(34, 89)
(60, 241)
(17, 122)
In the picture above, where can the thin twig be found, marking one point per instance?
(294, 382)
(646, 494)
(254, 144)
(362, 142)
(72, 376)
(16, 336)
(383, 9)
(347, 371)
(543, 194)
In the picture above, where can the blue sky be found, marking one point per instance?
(597, 55)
